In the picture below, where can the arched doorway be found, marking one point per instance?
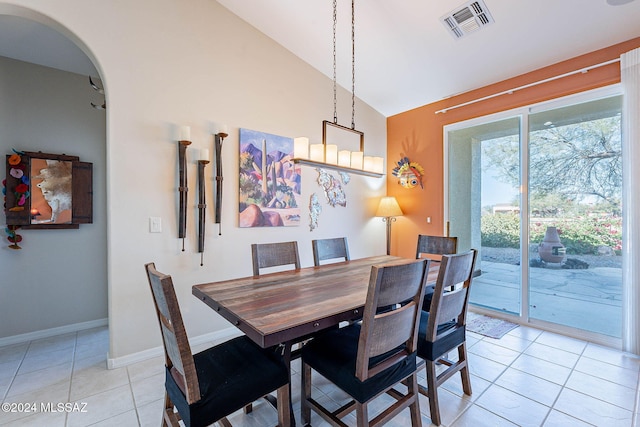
(58, 282)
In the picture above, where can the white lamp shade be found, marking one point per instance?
(378, 165)
(344, 158)
(389, 207)
(368, 163)
(331, 154)
(301, 148)
(316, 152)
(357, 159)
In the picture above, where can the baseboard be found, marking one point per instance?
(206, 339)
(46, 333)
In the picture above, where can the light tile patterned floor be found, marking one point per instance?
(527, 378)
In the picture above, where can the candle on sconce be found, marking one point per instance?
(357, 159)
(316, 152)
(301, 148)
(184, 133)
(378, 165)
(331, 154)
(224, 129)
(344, 158)
(204, 154)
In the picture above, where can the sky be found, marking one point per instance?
(495, 192)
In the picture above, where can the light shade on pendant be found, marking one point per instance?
(316, 152)
(356, 159)
(331, 154)
(301, 148)
(344, 158)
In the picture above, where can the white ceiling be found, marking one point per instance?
(405, 57)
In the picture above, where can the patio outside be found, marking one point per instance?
(589, 299)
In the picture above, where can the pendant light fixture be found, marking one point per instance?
(328, 154)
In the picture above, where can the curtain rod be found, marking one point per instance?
(510, 91)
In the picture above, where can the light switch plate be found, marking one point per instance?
(155, 224)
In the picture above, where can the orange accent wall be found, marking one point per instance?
(418, 134)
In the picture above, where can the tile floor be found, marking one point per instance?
(527, 378)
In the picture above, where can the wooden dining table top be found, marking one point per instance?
(286, 306)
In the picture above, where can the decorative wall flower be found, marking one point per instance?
(22, 188)
(21, 192)
(16, 173)
(15, 159)
(13, 237)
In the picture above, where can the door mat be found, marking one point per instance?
(489, 326)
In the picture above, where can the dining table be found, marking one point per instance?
(287, 307)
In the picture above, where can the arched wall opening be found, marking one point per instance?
(58, 281)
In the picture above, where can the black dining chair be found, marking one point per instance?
(330, 249)
(264, 255)
(443, 328)
(369, 358)
(433, 247)
(208, 386)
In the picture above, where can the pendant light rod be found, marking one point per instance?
(353, 65)
(354, 162)
(335, 93)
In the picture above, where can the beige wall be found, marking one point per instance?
(166, 63)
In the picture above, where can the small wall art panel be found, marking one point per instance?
(48, 190)
(269, 181)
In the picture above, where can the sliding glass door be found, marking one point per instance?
(484, 208)
(538, 193)
(574, 216)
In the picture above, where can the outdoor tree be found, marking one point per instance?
(578, 162)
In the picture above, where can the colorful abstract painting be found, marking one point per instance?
(269, 181)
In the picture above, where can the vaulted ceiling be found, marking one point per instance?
(405, 56)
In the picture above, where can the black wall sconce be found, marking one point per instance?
(183, 142)
(202, 205)
(218, 140)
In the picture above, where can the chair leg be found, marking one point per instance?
(248, 408)
(362, 414)
(305, 409)
(414, 408)
(284, 406)
(432, 392)
(169, 418)
(464, 372)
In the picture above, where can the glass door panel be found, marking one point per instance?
(551, 253)
(575, 220)
(484, 208)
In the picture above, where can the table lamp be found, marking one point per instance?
(389, 210)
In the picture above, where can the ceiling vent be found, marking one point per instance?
(467, 18)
